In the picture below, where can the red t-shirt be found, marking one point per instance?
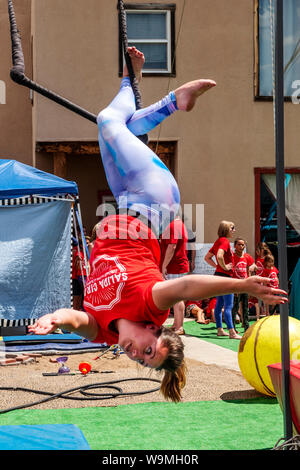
(223, 243)
(211, 305)
(241, 265)
(76, 270)
(124, 268)
(260, 266)
(272, 273)
(252, 301)
(176, 234)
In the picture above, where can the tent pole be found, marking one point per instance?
(281, 216)
(84, 244)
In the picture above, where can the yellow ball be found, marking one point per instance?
(261, 346)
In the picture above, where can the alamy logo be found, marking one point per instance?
(295, 95)
(113, 229)
(2, 92)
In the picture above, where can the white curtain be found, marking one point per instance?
(292, 196)
(291, 18)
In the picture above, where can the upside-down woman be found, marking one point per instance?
(126, 298)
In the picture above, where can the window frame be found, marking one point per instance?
(154, 8)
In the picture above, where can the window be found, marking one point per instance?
(266, 211)
(151, 30)
(265, 47)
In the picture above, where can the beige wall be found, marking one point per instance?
(75, 56)
(220, 142)
(92, 179)
(15, 115)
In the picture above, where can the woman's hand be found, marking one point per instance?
(46, 324)
(260, 287)
(75, 321)
(229, 267)
(164, 272)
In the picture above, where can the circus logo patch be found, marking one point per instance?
(274, 279)
(260, 268)
(240, 269)
(104, 286)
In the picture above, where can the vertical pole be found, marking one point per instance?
(281, 216)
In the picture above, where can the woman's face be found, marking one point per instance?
(268, 265)
(240, 246)
(140, 343)
(231, 231)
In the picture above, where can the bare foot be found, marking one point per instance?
(187, 94)
(221, 332)
(235, 336)
(201, 319)
(137, 60)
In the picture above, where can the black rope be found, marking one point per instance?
(17, 72)
(84, 390)
(123, 33)
(17, 52)
(133, 79)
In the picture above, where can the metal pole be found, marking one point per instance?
(281, 216)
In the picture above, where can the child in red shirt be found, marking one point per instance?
(243, 264)
(253, 301)
(270, 271)
(262, 250)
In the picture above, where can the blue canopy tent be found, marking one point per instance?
(19, 180)
(36, 216)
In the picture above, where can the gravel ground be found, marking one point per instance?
(204, 382)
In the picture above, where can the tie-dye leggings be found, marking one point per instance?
(138, 179)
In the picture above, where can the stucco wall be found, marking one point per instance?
(15, 114)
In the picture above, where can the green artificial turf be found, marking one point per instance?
(209, 333)
(254, 424)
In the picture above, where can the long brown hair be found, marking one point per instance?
(263, 246)
(174, 366)
(269, 260)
